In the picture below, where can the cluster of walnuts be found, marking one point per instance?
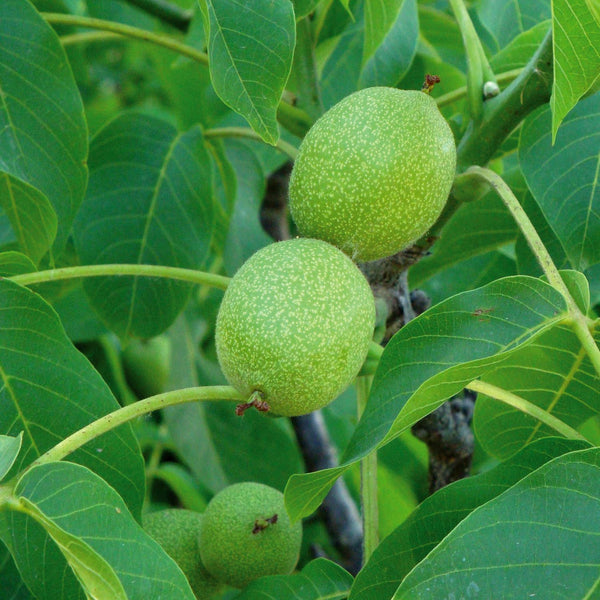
(295, 324)
(371, 177)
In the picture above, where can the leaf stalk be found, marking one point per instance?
(526, 407)
(579, 323)
(131, 411)
(190, 275)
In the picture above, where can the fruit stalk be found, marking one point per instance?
(166, 12)
(246, 132)
(579, 322)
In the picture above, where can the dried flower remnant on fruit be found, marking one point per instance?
(262, 524)
(429, 83)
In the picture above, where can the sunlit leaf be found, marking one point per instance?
(250, 47)
(410, 543)
(431, 359)
(576, 41)
(563, 177)
(537, 539)
(110, 553)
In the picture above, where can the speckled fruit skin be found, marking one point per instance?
(374, 172)
(231, 551)
(295, 324)
(178, 531)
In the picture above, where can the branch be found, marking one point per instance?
(338, 510)
(449, 438)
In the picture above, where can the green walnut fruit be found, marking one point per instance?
(178, 531)
(147, 365)
(246, 534)
(374, 172)
(295, 325)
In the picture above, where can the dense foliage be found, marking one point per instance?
(145, 149)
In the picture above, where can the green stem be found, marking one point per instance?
(579, 322)
(502, 114)
(459, 93)
(128, 31)
(526, 407)
(85, 37)
(199, 277)
(131, 411)
(113, 359)
(291, 117)
(246, 132)
(520, 216)
(166, 12)
(474, 56)
(294, 119)
(368, 478)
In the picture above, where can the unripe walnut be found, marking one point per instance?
(374, 172)
(295, 325)
(246, 534)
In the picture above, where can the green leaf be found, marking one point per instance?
(572, 210)
(31, 215)
(440, 38)
(43, 147)
(594, 6)
(341, 71)
(579, 288)
(10, 446)
(380, 16)
(469, 274)
(149, 202)
(110, 553)
(539, 538)
(554, 373)
(431, 359)
(245, 235)
(518, 52)
(50, 579)
(527, 262)
(576, 43)
(506, 19)
(50, 391)
(15, 263)
(250, 49)
(302, 8)
(391, 35)
(13, 587)
(320, 579)
(425, 528)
